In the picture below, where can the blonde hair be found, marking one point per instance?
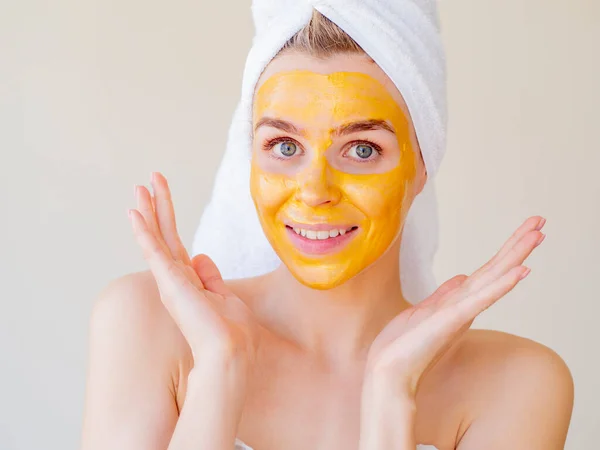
(321, 38)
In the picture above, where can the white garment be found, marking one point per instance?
(239, 445)
(403, 38)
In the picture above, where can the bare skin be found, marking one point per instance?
(302, 358)
(299, 397)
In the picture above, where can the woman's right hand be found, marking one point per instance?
(214, 321)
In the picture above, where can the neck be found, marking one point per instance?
(337, 324)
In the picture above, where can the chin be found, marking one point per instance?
(321, 278)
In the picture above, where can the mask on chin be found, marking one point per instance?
(333, 172)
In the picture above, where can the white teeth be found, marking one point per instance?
(311, 234)
(321, 234)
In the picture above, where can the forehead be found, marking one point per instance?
(299, 81)
(338, 94)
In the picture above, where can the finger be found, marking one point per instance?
(535, 223)
(531, 224)
(209, 275)
(192, 276)
(189, 271)
(165, 213)
(442, 291)
(449, 322)
(145, 206)
(178, 293)
(477, 302)
(512, 258)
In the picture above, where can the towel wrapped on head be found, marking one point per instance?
(403, 38)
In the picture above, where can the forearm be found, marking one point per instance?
(387, 418)
(212, 409)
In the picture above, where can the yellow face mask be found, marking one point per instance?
(333, 170)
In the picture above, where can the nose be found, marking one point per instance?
(316, 186)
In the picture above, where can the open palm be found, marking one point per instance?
(211, 318)
(416, 339)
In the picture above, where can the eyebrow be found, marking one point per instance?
(347, 128)
(364, 125)
(282, 125)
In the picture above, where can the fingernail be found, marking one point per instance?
(525, 273)
(541, 224)
(153, 182)
(540, 240)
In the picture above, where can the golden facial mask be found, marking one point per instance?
(333, 170)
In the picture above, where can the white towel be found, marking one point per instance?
(403, 38)
(239, 445)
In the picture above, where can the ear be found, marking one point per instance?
(421, 175)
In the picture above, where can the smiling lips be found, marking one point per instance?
(320, 239)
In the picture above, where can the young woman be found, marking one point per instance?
(324, 352)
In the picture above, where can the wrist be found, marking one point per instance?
(379, 383)
(221, 358)
(213, 406)
(225, 377)
(387, 421)
(380, 394)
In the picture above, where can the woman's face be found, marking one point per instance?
(335, 165)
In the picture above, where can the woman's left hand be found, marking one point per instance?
(411, 344)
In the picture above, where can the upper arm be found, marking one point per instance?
(130, 394)
(527, 402)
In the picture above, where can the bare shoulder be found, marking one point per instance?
(133, 300)
(506, 358)
(507, 377)
(136, 357)
(129, 309)
(129, 313)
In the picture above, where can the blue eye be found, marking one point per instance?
(363, 151)
(288, 148)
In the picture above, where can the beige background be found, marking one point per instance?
(94, 95)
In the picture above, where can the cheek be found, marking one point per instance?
(381, 197)
(269, 191)
(376, 200)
